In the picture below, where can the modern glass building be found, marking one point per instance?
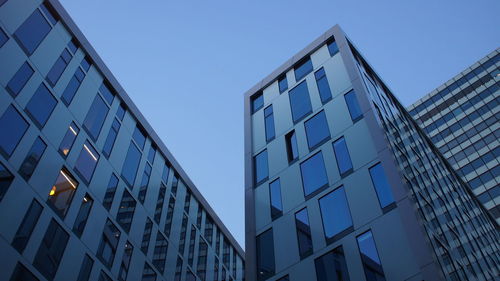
(88, 191)
(462, 118)
(342, 184)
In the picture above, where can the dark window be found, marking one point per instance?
(146, 236)
(333, 48)
(261, 169)
(275, 198)
(32, 158)
(24, 231)
(216, 269)
(86, 268)
(201, 268)
(303, 68)
(323, 87)
(12, 127)
(353, 105)
(148, 273)
(31, 33)
(69, 139)
(108, 244)
(170, 215)
(269, 123)
(124, 266)
(332, 266)
(120, 113)
(175, 183)
(257, 102)
(164, 174)
(73, 46)
(3, 37)
(225, 256)
(83, 214)
(129, 169)
(41, 105)
(317, 130)
(265, 255)
(140, 137)
(62, 192)
(151, 154)
(95, 117)
(187, 201)
(126, 211)
(190, 276)
(160, 252)
(48, 13)
(19, 80)
(104, 277)
(106, 93)
(369, 256)
(87, 161)
(303, 233)
(159, 203)
(199, 216)
(21, 273)
(313, 174)
(335, 214)
(381, 185)
(110, 192)
(292, 148)
(182, 236)
(284, 278)
(342, 156)
(51, 250)
(144, 183)
(110, 139)
(72, 87)
(6, 179)
(300, 103)
(86, 63)
(209, 229)
(59, 66)
(282, 84)
(192, 242)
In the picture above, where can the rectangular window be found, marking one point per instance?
(110, 192)
(107, 93)
(109, 243)
(87, 161)
(313, 173)
(178, 269)
(201, 268)
(32, 32)
(292, 148)
(265, 255)
(381, 185)
(302, 68)
(51, 250)
(300, 102)
(175, 183)
(323, 87)
(69, 139)
(110, 139)
(58, 68)
(139, 137)
(216, 269)
(190, 276)
(192, 242)
(120, 113)
(332, 266)
(146, 236)
(342, 156)
(369, 256)
(159, 203)
(164, 174)
(282, 83)
(24, 231)
(199, 216)
(317, 130)
(187, 202)
(6, 179)
(160, 253)
(3, 37)
(209, 229)
(225, 253)
(86, 268)
(333, 48)
(148, 273)
(257, 102)
(21, 273)
(126, 211)
(151, 154)
(303, 233)
(41, 105)
(124, 266)
(72, 87)
(19, 80)
(32, 158)
(335, 214)
(104, 277)
(86, 63)
(131, 163)
(95, 117)
(182, 236)
(353, 106)
(261, 169)
(83, 215)
(144, 183)
(73, 46)
(13, 123)
(269, 123)
(275, 198)
(61, 194)
(170, 215)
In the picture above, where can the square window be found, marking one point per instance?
(313, 172)
(300, 102)
(41, 105)
(317, 130)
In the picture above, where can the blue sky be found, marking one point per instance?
(186, 64)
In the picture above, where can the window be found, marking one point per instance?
(41, 105)
(159, 203)
(160, 253)
(225, 254)
(124, 266)
(381, 185)
(317, 131)
(269, 123)
(69, 139)
(58, 68)
(303, 233)
(129, 169)
(300, 103)
(342, 156)
(202, 260)
(353, 106)
(192, 242)
(73, 46)
(190, 276)
(144, 183)
(369, 256)
(216, 269)
(313, 174)
(302, 68)
(151, 154)
(265, 255)
(284, 278)
(187, 201)
(209, 229)
(332, 266)
(182, 236)
(170, 215)
(292, 148)
(257, 102)
(275, 198)
(6, 179)
(126, 211)
(261, 169)
(72, 87)
(87, 161)
(199, 216)
(83, 214)
(110, 192)
(164, 174)
(175, 183)
(282, 84)
(95, 117)
(140, 137)
(335, 214)
(104, 277)
(120, 113)
(106, 93)
(32, 158)
(148, 273)
(110, 139)
(51, 250)
(19, 80)
(323, 87)
(3, 37)
(85, 63)
(13, 123)
(146, 236)
(21, 273)
(109, 243)
(86, 268)
(31, 33)
(333, 48)
(62, 192)
(24, 231)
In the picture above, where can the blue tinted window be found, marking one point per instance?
(17, 82)
(87, 161)
(25, 230)
(61, 194)
(51, 250)
(58, 68)
(32, 32)
(335, 213)
(126, 210)
(120, 113)
(333, 48)
(317, 130)
(313, 174)
(269, 123)
(257, 102)
(72, 87)
(342, 156)
(41, 105)
(48, 13)
(72, 46)
(85, 269)
(265, 255)
(106, 93)
(275, 198)
(31, 161)
(381, 184)
(151, 154)
(369, 256)
(83, 214)
(332, 266)
(303, 233)
(85, 63)
(144, 183)
(291, 146)
(303, 68)
(164, 174)
(261, 169)
(283, 84)
(129, 169)
(323, 87)
(69, 139)
(110, 192)
(352, 105)
(6, 179)
(140, 137)
(110, 139)
(95, 117)
(3, 37)
(300, 103)
(12, 128)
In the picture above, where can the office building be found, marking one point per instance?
(342, 184)
(461, 117)
(88, 191)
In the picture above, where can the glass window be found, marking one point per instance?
(24, 231)
(192, 241)
(265, 255)
(146, 236)
(175, 183)
(381, 185)
(19, 80)
(300, 103)
(292, 148)
(110, 192)
(160, 252)
(284, 278)
(41, 105)
(269, 123)
(13, 123)
(170, 215)
(31, 33)
(86, 268)
(332, 266)
(62, 192)
(58, 68)
(209, 229)
(3, 37)
(6, 179)
(32, 158)
(333, 48)
(72, 87)
(159, 203)
(126, 211)
(69, 139)
(148, 273)
(124, 266)
(282, 84)
(120, 113)
(21, 273)
(313, 174)
(275, 198)
(110, 139)
(129, 169)
(140, 137)
(166, 171)
(83, 214)
(144, 183)
(86, 63)
(48, 13)
(303, 233)
(95, 117)
(151, 154)
(317, 130)
(342, 156)
(261, 170)
(51, 250)
(369, 256)
(257, 102)
(107, 93)
(104, 277)
(73, 46)
(108, 244)
(87, 161)
(190, 276)
(303, 68)
(201, 267)
(323, 87)
(335, 214)
(353, 105)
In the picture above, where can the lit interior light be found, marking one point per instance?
(90, 152)
(52, 191)
(68, 179)
(65, 151)
(72, 130)
(85, 199)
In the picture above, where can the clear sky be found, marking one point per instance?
(187, 63)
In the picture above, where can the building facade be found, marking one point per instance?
(462, 118)
(342, 184)
(88, 191)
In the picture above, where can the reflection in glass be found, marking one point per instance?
(62, 192)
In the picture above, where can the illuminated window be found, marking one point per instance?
(62, 192)
(69, 139)
(87, 161)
